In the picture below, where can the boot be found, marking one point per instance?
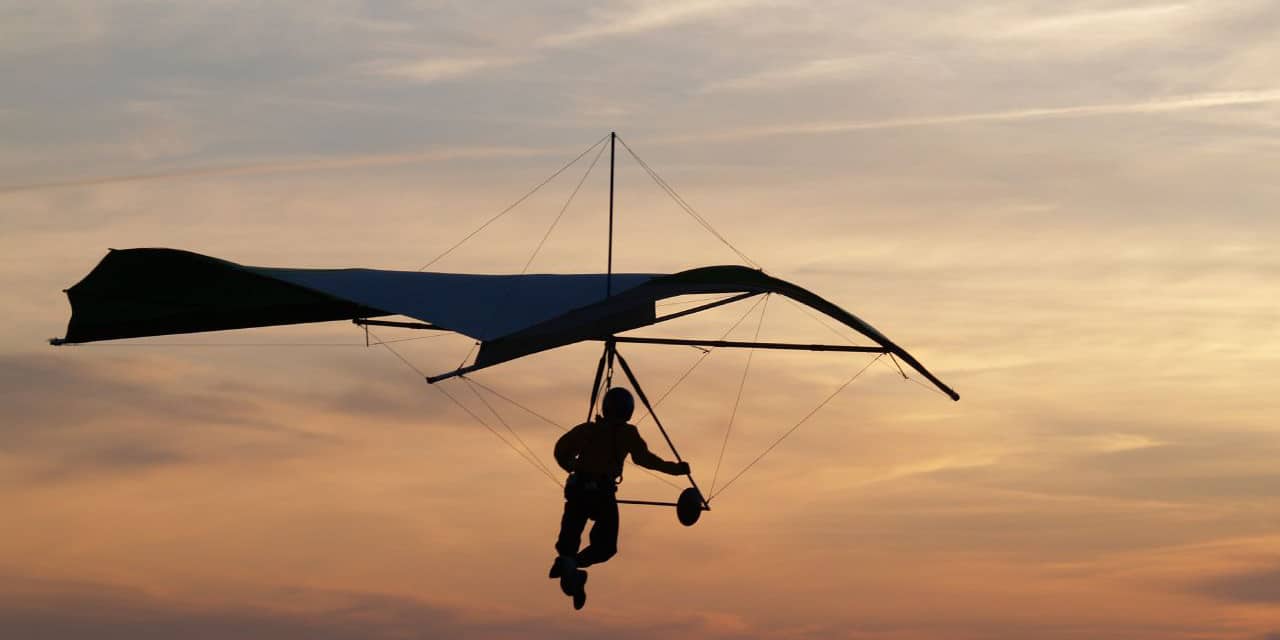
(580, 591)
(568, 574)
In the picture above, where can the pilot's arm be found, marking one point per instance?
(641, 455)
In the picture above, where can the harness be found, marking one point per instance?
(598, 481)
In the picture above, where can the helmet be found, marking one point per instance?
(618, 404)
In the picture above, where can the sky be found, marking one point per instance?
(1066, 210)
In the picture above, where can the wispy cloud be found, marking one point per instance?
(38, 608)
(1256, 586)
(1125, 24)
(635, 19)
(645, 17)
(1164, 105)
(428, 70)
(808, 72)
(284, 166)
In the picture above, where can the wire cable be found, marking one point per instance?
(563, 209)
(423, 376)
(541, 465)
(797, 425)
(495, 432)
(518, 405)
(896, 366)
(657, 179)
(513, 205)
(742, 384)
(700, 359)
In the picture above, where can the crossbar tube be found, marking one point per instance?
(653, 503)
(656, 503)
(704, 307)
(391, 323)
(786, 346)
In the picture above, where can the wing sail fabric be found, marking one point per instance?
(149, 292)
(485, 307)
(154, 292)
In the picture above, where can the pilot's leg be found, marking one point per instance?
(604, 533)
(571, 525)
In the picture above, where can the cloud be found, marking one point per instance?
(1164, 105)
(1257, 586)
(812, 71)
(71, 419)
(47, 393)
(1129, 21)
(65, 610)
(25, 31)
(645, 17)
(429, 70)
(284, 166)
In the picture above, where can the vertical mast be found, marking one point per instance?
(608, 287)
(606, 360)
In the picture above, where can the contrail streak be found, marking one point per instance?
(1179, 103)
(287, 166)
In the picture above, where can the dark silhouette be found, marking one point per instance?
(593, 453)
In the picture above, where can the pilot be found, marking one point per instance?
(593, 454)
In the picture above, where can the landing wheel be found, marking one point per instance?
(689, 507)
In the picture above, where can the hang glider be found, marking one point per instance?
(135, 293)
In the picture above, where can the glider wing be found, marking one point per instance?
(149, 292)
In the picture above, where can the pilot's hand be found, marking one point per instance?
(681, 469)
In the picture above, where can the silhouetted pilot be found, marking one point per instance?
(593, 453)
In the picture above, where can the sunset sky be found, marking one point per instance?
(1067, 211)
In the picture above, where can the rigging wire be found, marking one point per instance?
(684, 205)
(501, 305)
(657, 179)
(513, 205)
(672, 303)
(797, 425)
(531, 457)
(819, 320)
(563, 209)
(422, 375)
(899, 366)
(929, 387)
(495, 433)
(527, 452)
(396, 340)
(504, 423)
(701, 358)
(742, 384)
(518, 405)
(554, 423)
(470, 352)
(842, 336)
